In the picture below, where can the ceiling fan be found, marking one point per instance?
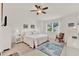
(39, 9)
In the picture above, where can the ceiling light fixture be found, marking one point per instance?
(39, 9)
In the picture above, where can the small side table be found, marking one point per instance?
(19, 38)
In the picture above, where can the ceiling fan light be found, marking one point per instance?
(39, 11)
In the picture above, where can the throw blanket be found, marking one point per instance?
(51, 49)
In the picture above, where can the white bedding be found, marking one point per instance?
(35, 36)
(35, 39)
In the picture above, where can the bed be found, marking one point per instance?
(34, 38)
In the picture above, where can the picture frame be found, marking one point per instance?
(25, 25)
(74, 37)
(32, 26)
(71, 24)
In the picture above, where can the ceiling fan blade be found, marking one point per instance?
(33, 10)
(37, 6)
(45, 8)
(43, 12)
(37, 13)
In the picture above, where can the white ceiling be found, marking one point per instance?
(59, 10)
(55, 10)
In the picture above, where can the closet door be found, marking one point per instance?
(0, 30)
(5, 32)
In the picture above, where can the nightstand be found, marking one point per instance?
(19, 38)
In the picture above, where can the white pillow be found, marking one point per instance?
(26, 32)
(30, 31)
(35, 31)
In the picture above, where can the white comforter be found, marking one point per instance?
(35, 36)
(35, 39)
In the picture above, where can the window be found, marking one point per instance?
(49, 27)
(53, 27)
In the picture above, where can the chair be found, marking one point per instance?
(60, 37)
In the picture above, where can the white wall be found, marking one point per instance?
(72, 18)
(69, 32)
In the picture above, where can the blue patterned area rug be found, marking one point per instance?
(51, 49)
